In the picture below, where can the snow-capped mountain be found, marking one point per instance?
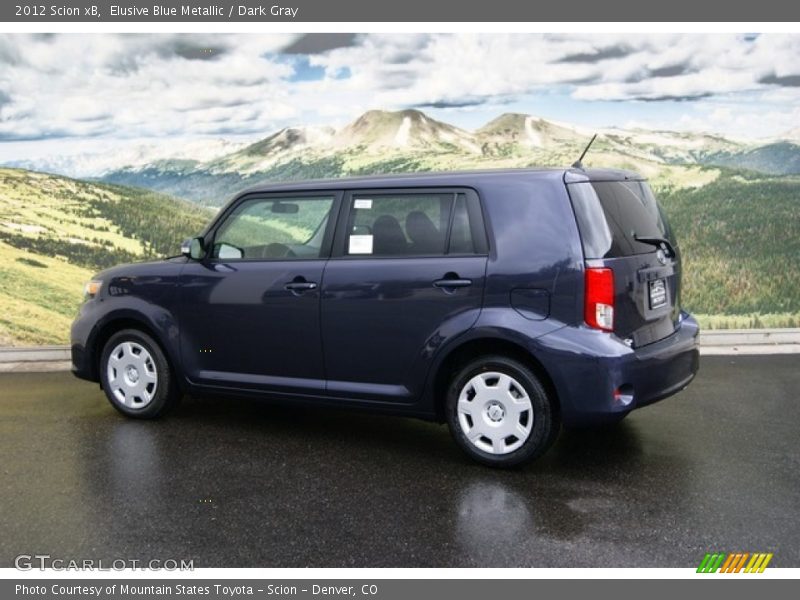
(404, 130)
(409, 140)
(526, 131)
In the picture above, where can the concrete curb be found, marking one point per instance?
(722, 342)
(34, 353)
(728, 342)
(750, 337)
(35, 366)
(34, 359)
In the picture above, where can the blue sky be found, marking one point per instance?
(91, 92)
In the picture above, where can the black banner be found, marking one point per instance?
(408, 11)
(385, 589)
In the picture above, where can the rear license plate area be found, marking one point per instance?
(658, 293)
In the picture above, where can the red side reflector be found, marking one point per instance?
(599, 298)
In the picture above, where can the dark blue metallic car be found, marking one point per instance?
(503, 303)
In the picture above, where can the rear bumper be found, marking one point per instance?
(590, 367)
(664, 368)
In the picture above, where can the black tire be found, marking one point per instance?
(164, 393)
(546, 423)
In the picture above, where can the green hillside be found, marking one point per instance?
(55, 232)
(740, 238)
(780, 158)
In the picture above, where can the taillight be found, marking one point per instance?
(599, 304)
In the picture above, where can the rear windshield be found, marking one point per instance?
(611, 214)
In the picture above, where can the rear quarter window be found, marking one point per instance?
(610, 214)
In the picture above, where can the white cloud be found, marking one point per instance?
(594, 67)
(136, 86)
(126, 85)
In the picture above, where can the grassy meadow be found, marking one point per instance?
(55, 232)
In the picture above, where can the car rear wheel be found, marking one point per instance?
(499, 412)
(136, 375)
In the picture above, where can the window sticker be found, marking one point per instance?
(363, 203)
(360, 244)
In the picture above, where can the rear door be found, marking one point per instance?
(623, 227)
(407, 273)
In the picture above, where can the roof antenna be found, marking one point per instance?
(578, 164)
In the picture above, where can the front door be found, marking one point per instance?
(250, 311)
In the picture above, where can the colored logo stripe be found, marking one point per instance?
(735, 562)
(741, 562)
(732, 559)
(711, 562)
(758, 563)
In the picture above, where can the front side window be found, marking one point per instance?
(408, 225)
(274, 228)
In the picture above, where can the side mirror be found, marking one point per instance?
(193, 248)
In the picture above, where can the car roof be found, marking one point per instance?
(445, 179)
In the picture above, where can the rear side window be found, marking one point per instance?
(611, 214)
(409, 224)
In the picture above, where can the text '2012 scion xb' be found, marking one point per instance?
(503, 303)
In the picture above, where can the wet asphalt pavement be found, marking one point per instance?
(243, 483)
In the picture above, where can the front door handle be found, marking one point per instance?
(300, 286)
(452, 282)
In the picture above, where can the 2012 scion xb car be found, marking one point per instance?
(503, 303)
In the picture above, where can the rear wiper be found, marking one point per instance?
(658, 242)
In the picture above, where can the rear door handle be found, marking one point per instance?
(452, 283)
(300, 286)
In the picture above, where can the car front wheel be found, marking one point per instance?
(136, 375)
(499, 412)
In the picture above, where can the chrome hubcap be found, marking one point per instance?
(132, 376)
(495, 412)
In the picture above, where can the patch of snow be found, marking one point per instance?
(74, 240)
(667, 139)
(24, 228)
(534, 137)
(464, 140)
(403, 132)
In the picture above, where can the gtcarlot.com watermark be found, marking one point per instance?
(42, 562)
